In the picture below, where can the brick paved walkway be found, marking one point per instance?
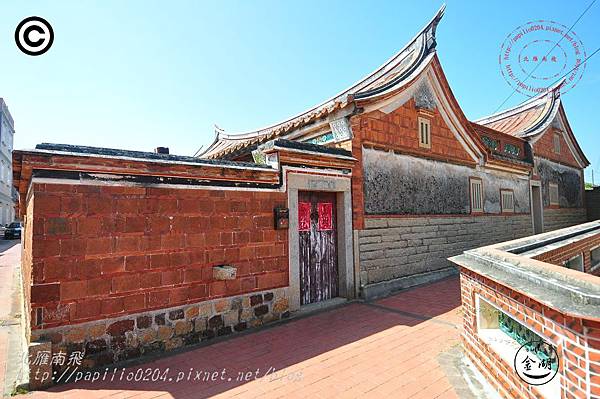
(10, 319)
(385, 349)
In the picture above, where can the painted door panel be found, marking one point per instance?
(318, 246)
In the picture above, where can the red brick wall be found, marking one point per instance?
(106, 251)
(544, 148)
(26, 260)
(577, 340)
(398, 131)
(582, 247)
(358, 199)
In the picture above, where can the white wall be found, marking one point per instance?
(6, 147)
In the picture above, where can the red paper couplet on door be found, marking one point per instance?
(304, 216)
(325, 216)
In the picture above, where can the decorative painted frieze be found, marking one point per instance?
(322, 139)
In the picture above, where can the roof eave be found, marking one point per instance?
(342, 99)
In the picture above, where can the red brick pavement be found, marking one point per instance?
(9, 257)
(384, 349)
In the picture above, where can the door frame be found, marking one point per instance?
(342, 187)
(538, 186)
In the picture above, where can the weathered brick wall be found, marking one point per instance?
(405, 243)
(103, 251)
(583, 247)
(577, 340)
(398, 131)
(544, 147)
(555, 219)
(398, 247)
(153, 332)
(358, 202)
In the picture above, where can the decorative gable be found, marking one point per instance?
(554, 145)
(399, 130)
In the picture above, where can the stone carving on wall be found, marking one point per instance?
(322, 139)
(259, 157)
(557, 124)
(424, 98)
(265, 159)
(340, 129)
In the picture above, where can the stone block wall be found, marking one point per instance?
(141, 334)
(555, 219)
(100, 252)
(577, 341)
(392, 248)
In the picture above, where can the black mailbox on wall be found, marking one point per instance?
(282, 218)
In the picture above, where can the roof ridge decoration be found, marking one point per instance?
(392, 72)
(547, 104)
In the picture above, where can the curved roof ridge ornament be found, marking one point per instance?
(402, 64)
(557, 86)
(552, 91)
(218, 131)
(411, 57)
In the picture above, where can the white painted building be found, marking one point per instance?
(7, 131)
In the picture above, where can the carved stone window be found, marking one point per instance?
(490, 143)
(512, 149)
(505, 335)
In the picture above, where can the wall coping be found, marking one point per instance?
(571, 292)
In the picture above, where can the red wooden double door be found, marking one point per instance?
(318, 246)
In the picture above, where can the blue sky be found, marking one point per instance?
(141, 74)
